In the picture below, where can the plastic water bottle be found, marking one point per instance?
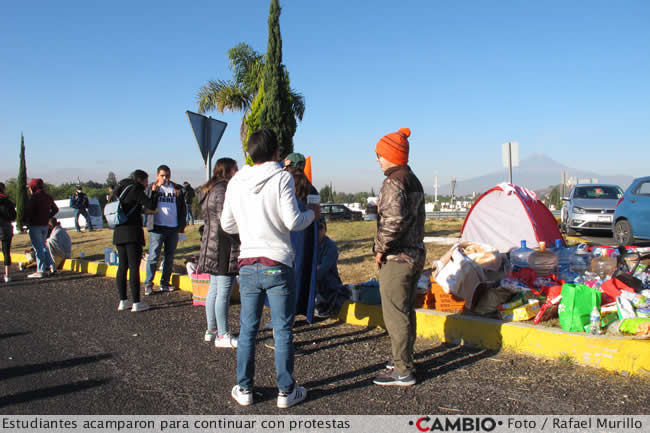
(519, 257)
(543, 261)
(580, 261)
(594, 321)
(107, 255)
(563, 257)
(112, 260)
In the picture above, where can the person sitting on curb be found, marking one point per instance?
(330, 292)
(58, 243)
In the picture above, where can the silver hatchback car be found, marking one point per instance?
(589, 207)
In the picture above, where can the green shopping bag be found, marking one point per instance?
(577, 302)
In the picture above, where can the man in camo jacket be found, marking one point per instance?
(399, 253)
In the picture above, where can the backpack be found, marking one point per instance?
(114, 213)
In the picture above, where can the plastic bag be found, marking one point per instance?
(576, 305)
(637, 326)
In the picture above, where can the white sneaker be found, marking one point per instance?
(7, 278)
(242, 396)
(167, 288)
(139, 306)
(36, 275)
(226, 340)
(148, 290)
(287, 400)
(210, 335)
(124, 305)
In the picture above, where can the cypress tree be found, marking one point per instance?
(276, 112)
(21, 187)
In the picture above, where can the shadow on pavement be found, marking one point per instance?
(13, 334)
(24, 370)
(53, 391)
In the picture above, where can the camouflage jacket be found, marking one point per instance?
(400, 218)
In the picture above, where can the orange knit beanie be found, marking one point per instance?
(395, 146)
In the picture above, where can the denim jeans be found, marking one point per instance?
(217, 302)
(38, 235)
(84, 212)
(278, 284)
(167, 236)
(189, 218)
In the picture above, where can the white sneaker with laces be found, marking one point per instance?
(36, 275)
(210, 335)
(226, 340)
(125, 304)
(242, 396)
(139, 306)
(286, 400)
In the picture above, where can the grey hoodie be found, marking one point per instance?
(261, 206)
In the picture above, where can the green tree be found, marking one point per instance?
(555, 197)
(241, 92)
(111, 180)
(325, 194)
(276, 108)
(21, 188)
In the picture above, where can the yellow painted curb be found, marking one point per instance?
(620, 354)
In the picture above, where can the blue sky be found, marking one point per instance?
(103, 86)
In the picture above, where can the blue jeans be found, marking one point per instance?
(83, 212)
(38, 235)
(278, 284)
(217, 302)
(189, 218)
(167, 236)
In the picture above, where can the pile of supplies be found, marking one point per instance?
(587, 289)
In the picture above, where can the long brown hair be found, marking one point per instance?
(303, 186)
(222, 171)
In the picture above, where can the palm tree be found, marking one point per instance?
(237, 94)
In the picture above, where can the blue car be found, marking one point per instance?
(632, 214)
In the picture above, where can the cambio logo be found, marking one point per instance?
(462, 424)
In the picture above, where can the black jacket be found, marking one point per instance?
(219, 250)
(7, 216)
(135, 198)
(181, 210)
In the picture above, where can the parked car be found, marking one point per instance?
(589, 207)
(339, 212)
(65, 215)
(632, 216)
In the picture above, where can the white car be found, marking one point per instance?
(65, 215)
(589, 207)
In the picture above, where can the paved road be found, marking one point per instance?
(64, 349)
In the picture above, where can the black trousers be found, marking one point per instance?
(129, 255)
(6, 251)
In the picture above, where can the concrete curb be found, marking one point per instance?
(625, 355)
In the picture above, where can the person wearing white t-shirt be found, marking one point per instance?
(164, 225)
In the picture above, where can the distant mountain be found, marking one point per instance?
(536, 172)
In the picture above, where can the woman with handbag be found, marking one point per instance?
(219, 255)
(129, 236)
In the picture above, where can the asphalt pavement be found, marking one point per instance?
(65, 349)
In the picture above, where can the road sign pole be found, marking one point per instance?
(510, 159)
(208, 160)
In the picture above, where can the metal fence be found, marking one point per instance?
(463, 214)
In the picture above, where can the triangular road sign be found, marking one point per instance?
(208, 133)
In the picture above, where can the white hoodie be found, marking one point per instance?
(261, 206)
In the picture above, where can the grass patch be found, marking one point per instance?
(354, 240)
(566, 360)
